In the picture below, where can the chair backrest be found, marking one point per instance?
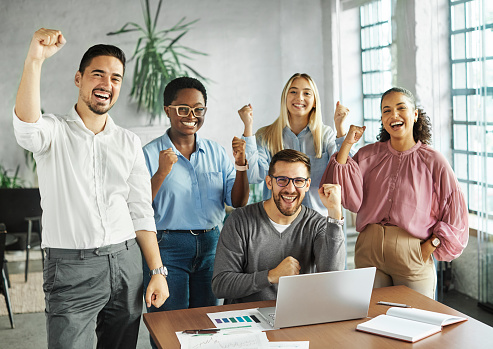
(16, 205)
(3, 236)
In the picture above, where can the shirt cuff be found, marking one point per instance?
(262, 279)
(22, 126)
(251, 144)
(339, 141)
(147, 224)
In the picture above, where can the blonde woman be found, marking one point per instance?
(299, 127)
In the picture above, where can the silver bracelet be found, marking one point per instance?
(336, 221)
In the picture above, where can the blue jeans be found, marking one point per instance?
(190, 262)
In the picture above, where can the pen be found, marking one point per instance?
(211, 330)
(394, 304)
(207, 331)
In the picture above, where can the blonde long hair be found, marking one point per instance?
(272, 135)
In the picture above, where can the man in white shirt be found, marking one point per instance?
(96, 200)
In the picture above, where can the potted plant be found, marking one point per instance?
(158, 59)
(8, 181)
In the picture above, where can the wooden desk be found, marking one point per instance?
(470, 334)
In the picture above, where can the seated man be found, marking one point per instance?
(278, 237)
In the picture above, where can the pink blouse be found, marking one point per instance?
(415, 190)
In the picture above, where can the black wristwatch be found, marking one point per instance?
(161, 270)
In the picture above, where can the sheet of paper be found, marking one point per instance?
(247, 318)
(227, 338)
(289, 345)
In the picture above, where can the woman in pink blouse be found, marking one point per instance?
(407, 198)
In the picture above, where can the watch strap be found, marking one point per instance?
(336, 221)
(241, 168)
(161, 270)
(435, 242)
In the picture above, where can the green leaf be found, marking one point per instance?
(124, 30)
(158, 58)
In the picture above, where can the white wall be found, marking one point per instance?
(253, 48)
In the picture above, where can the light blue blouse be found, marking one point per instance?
(193, 195)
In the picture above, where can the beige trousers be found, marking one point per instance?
(397, 256)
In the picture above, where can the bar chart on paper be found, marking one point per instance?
(248, 318)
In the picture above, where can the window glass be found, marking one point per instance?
(476, 138)
(473, 13)
(473, 47)
(474, 71)
(459, 75)
(475, 197)
(459, 108)
(489, 72)
(460, 137)
(474, 108)
(488, 12)
(376, 61)
(458, 44)
(488, 101)
(458, 18)
(465, 190)
(460, 165)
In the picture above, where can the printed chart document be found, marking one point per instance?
(246, 318)
(234, 338)
(408, 324)
(240, 338)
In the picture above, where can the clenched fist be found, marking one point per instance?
(167, 158)
(45, 43)
(289, 266)
(239, 147)
(330, 194)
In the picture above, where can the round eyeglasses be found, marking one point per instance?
(283, 181)
(184, 110)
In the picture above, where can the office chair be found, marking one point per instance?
(4, 286)
(20, 210)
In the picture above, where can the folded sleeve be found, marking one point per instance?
(349, 177)
(35, 137)
(140, 196)
(258, 158)
(452, 227)
(330, 248)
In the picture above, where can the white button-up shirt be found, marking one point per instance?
(95, 189)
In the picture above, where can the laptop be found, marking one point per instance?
(321, 297)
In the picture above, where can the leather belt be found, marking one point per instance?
(191, 231)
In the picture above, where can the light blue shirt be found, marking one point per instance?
(193, 194)
(259, 157)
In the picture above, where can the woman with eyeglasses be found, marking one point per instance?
(299, 127)
(192, 179)
(408, 200)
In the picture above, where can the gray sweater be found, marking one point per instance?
(249, 246)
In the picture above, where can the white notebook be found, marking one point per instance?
(408, 324)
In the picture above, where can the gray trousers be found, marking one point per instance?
(97, 290)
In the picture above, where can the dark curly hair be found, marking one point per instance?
(422, 127)
(174, 86)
